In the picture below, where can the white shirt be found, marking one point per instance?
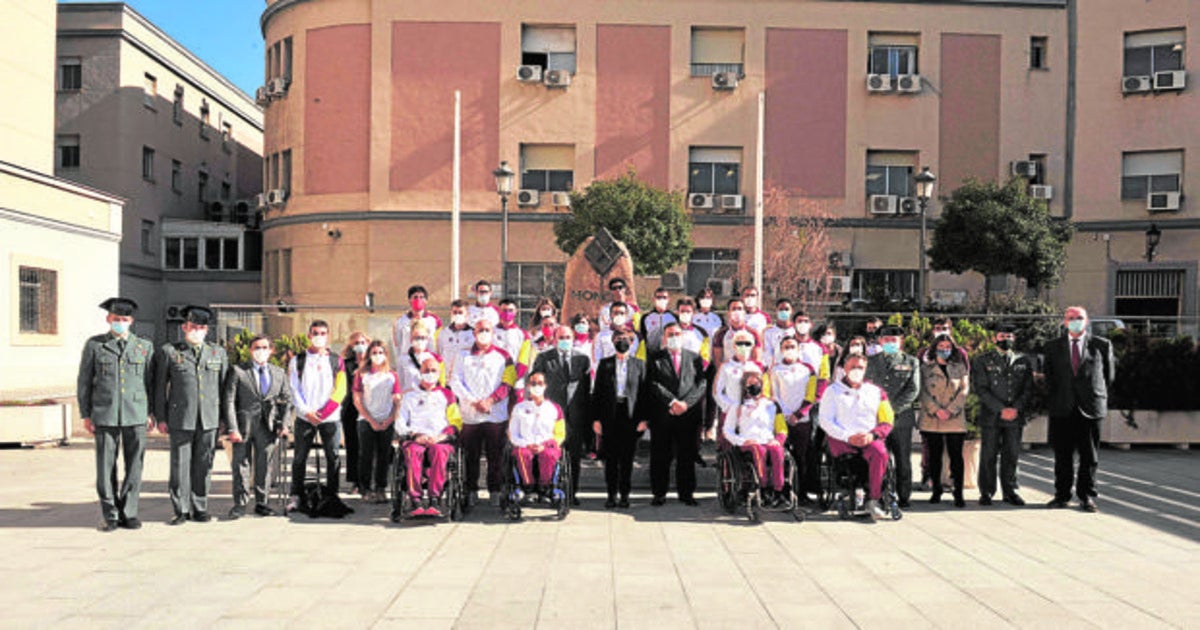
(377, 389)
(622, 372)
(710, 322)
(772, 337)
(605, 320)
(789, 385)
(487, 311)
(846, 411)
(758, 320)
(452, 343)
(728, 390)
(424, 412)
(477, 376)
(311, 390)
(532, 423)
(402, 331)
(754, 419)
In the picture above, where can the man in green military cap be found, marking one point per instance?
(187, 405)
(113, 391)
(1003, 380)
(899, 374)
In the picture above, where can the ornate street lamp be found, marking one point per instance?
(1153, 236)
(924, 185)
(504, 185)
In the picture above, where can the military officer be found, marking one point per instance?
(187, 401)
(113, 391)
(1003, 380)
(899, 375)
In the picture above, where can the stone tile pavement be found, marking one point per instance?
(1131, 566)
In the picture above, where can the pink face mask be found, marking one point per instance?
(418, 304)
(507, 316)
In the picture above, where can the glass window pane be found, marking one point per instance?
(561, 61)
(1133, 187)
(172, 253)
(899, 180)
(878, 61)
(191, 253)
(534, 180)
(1137, 61)
(212, 253)
(531, 280)
(1168, 58)
(1164, 183)
(725, 178)
(700, 177)
(876, 180)
(560, 180)
(229, 254)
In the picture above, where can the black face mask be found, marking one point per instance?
(753, 390)
(622, 345)
(1005, 344)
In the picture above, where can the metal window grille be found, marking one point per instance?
(38, 300)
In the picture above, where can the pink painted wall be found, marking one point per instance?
(337, 112)
(633, 108)
(430, 60)
(805, 134)
(969, 134)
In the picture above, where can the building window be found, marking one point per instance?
(892, 54)
(1148, 172)
(226, 136)
(718, 50)
(202, 187)
(714, 170)
(226, 190)
(147, 237)
(150, 90)
(177, 106)
(1154, 51)
(181, 253)
(68, 151)
(547, 167)
(195, 253)
(38, 300)
(1150, 293)
(1037, 52)
(890, 172)
(551, 47)
(714, 268)
(70, 74)
(221, 254)
(285, 170)
(1039, 178)
(148, 164)
(177, 176)
(271, 274)
(205, 120)
(880, 285)
(285, 272)
(529, 282)
(285, 65)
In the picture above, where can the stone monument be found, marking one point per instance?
(599, 259)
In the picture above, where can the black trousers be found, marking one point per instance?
(577, 445)
(800, 443)
(952, 444)
(330, 438)
(1070, 435)
(999, 440)
(900, 443)
(375, 455)
(350, 434)
(620, 447)
(674, 437)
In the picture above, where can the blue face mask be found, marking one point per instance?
(1076, 325)
(119, 328)
(565, 345)
(944, 354)
(784, 315)
(891, 347)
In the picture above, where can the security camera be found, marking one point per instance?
(334, 233)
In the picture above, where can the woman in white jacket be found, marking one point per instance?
(757, 427)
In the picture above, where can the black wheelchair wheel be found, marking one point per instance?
(564, 487)
(455, 497)
(754, 506)
(790, 480)
(728, 482)
(400, 498)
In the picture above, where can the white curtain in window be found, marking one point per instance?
(718, 45)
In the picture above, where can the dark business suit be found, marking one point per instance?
(674, 436)
(258, 417)
(1077, 401)
(188, 388)
(568, 385)
(618, 419)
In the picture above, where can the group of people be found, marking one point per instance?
(572, 388)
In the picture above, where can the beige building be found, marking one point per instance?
(138, 114)
(858, 96)
(60, 241)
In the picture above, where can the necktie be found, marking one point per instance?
(263, 383)
(675, 362)
(121, 346)
(1075, 358)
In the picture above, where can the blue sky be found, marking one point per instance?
(224, 33)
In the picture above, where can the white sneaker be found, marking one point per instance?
(293, 504)
(875, 510)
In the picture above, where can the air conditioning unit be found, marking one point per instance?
(260, 201)
(1162, 201)
(277, 197)
(262, 96)
(174, 312)
(700, 201)
(556, 78)
(560, 199)
(908, 205)
(529, 74)
(1041, 191)
(908, 83)
(837, 284)
(527, 197)
(879, 83)
(725, 80)
(722, 287)
(841, 260)
(1134, 84)
(882, 204)
(673, 281)
(732, 203)
(278, 86)
(1024, 168)
(1170, 80)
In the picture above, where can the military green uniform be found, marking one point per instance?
(1001, 379)
(188, 390)
(899, 375)
(113, 390)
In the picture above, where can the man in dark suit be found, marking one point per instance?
(258, 404)
(1079, 369)
(615, 405)
(675, 382)
(188, 378)
(568, 379)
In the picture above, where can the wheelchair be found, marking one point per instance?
(454, 496)
(739, 485)
(514, 496)
(279, 471)
(844, 476)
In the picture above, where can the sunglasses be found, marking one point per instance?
(744, 344)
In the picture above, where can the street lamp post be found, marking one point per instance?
(924, 184)
(504, 183)
(1153, 236)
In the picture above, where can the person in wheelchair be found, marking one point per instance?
(536, 432)
(757, 427)
(428, 423)
(857, 418)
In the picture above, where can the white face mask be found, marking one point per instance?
(618, 320)
(537, 391)
(320, 342)
(483, 298)
(791, 354)
(706, 303)
(458, 319)
(856, 375)
(261, 356)
(196, 337)
(675, 343)
(378, 359)
(685, 318)
(804, 328)
(750, 302)
(360, 348)
(660, 304)
(420, 344)
(828, 340)
(484, 337)
(742, 352)
(737, 317)
(429, 377)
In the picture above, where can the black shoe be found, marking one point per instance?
(657, 501)
(1058, 504)
(903, 503)
(575, 502)
(1088, 504)
(236, 512)
(985, 499)
(178, 519)
(264, 510)
(701, 462)
(610, 503)
(201, 517)
(623, 503)
(107, 526)
(689, 501)
(132, 523)
(959, 502)
(1014, 499)
(936, 497)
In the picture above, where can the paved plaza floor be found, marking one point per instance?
(1134, 565)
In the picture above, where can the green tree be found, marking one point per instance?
(651, 222)
(1000, 230)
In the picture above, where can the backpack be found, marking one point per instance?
(335, 363)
